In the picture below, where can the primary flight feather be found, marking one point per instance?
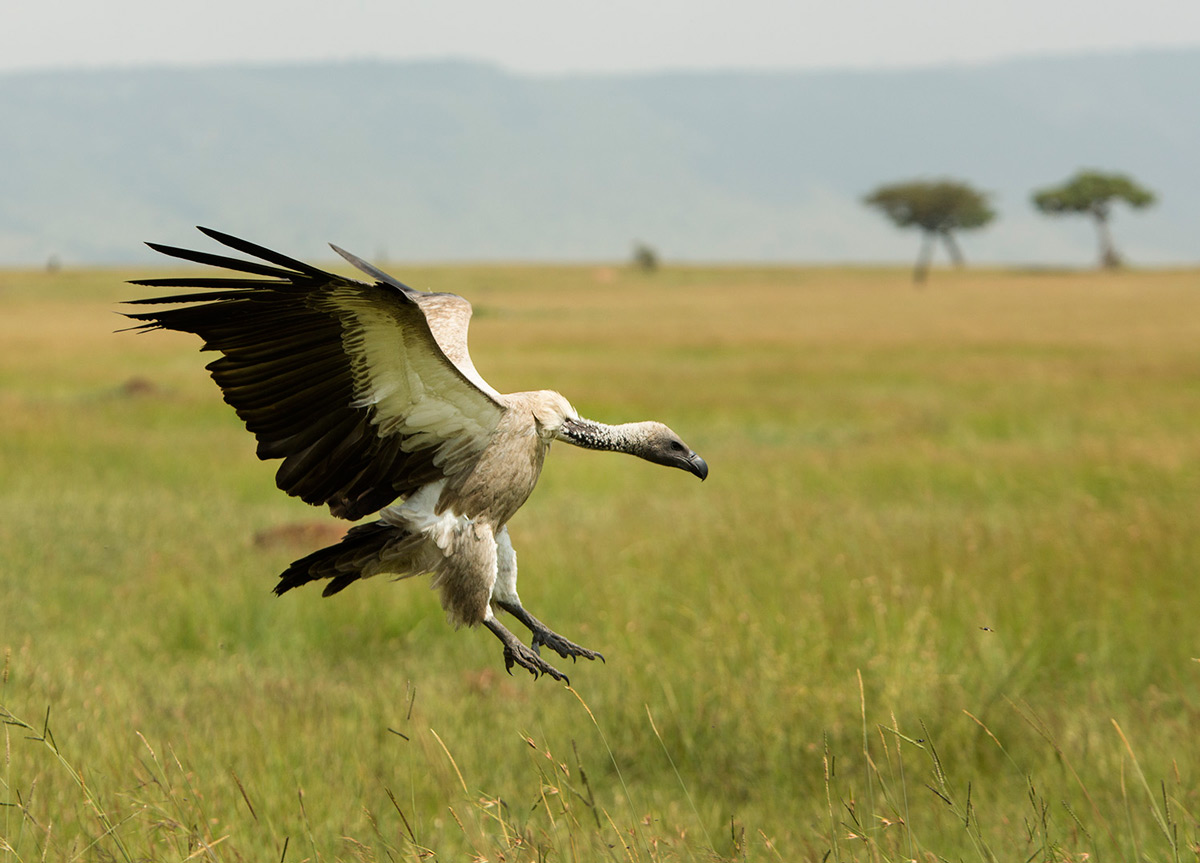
(367, 392)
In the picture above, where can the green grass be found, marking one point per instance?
(937, 599)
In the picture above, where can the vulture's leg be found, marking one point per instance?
(504, 595)
(543, 634)
(516, 653)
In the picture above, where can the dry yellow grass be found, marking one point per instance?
(949, 538)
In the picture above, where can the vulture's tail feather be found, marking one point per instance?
(342, 562)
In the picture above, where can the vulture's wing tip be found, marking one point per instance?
(372, 270)
(220, 236)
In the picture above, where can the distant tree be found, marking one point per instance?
(938, 208)
(645, 258)
(1093, 192)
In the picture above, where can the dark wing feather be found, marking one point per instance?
(347, 382)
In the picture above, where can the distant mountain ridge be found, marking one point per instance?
(459, 160)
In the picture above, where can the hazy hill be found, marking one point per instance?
(454, 159)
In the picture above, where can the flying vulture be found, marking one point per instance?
(368, 394)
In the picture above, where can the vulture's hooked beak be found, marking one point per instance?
(698, 466)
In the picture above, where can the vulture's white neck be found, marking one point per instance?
(629, 438)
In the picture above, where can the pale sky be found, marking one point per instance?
(557, 36)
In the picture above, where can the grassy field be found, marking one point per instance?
(937, 599)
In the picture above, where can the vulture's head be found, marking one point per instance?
(657, 443)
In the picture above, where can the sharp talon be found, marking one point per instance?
(529, 658)
(545, 636)
(565, 649)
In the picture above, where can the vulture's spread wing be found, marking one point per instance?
(366, 391)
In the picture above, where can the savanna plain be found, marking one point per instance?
(937, 599)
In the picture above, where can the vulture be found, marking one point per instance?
(366, 391)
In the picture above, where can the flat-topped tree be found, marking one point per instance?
(938, 208)
(1094, 192)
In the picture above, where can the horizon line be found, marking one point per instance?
(451, 59)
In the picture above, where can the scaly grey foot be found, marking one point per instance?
(543, 634)
(516, 653)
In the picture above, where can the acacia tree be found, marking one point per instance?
(1093, 192)
(938, 208)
